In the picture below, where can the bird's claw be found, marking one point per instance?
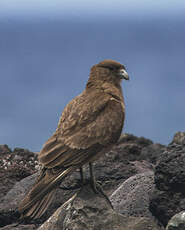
(97, 188)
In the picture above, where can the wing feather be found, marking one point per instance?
(85, 127)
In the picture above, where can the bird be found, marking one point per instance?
(90, 124)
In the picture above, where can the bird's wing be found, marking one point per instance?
(88, 123)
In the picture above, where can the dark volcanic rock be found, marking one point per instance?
(16, 194)
(142, 166)
(152, 152)
(165, 204)
(179, 138)
(87, 210)
(120, 163)
(132, 146)
(169, 196)
(111, 170)
(19, 227)
(170, 172)
(15, 166)
(9, 204)
(4, 149)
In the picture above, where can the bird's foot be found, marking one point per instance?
(77, 186)
(97, 188)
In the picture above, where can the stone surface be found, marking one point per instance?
(118, 164)
(169, 197)
(14, 166)
(152, 153)
(111, 170)
(4, 149)
(9, 203)
(179, 138)
(142, 166)
(177, 222)
(91, 211)
(19, 227)
(170, 172)
(165, 204)
(132, 196)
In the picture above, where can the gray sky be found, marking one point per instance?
(92, 7)
(47, 53)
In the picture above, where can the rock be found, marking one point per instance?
(152, 152)
(177, 222)
(9, 204)
(140, 223)
(111, 170)
(16, 194)
(130, 146)
(118, 164)
(15, 166)
(4, 149)
(165, 204)
(19, 227)
(142, 166)
(132, 197)
(169, 197)
(129, 138)
(170, 171)
(179, 138)
(87, 210)
(90, 211)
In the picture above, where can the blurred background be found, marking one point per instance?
(47, 48)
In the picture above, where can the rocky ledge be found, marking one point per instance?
(145, 182)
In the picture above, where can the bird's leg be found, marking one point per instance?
(82, 176)
(96, 187)
(92, 178)
(76, 186)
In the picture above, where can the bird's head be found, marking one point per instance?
(108, 71)
(115, 69)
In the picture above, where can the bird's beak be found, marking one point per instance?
(123, 74)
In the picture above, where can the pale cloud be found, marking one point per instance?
(91, 7)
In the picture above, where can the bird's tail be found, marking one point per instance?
(40, 196)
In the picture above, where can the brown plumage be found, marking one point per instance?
(89, 124)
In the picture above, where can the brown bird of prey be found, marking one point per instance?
(89, 125)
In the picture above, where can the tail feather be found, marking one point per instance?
(45, 204)
(39, 208)
(40, 196)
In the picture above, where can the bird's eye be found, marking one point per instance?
(111, 67)
(108, 67)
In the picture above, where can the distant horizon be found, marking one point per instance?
(91, 9)
(46, 59)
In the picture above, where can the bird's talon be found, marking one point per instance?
(75, 187)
